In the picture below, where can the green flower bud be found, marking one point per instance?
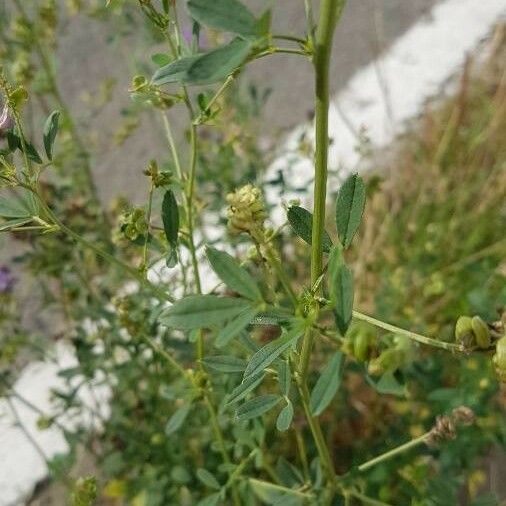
(481, 332)
(85, 491)
(362, 346)
(464, 331)
(246, 212)
(499, 359)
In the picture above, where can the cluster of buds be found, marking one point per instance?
(48, 20)
(446, 426)
(143, 91)
(159, 177)
(85, 491)
(133, 223)
(472, 332)
(246, 212)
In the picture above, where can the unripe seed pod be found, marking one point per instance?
(481, 332)
(499, 359)
(361, 347)
(464, 331)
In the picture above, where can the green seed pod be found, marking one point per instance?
(499, 359)
(464, 331)
(481, 332)
(362, 347)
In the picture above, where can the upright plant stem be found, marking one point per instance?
(330, 11)
(329, 14)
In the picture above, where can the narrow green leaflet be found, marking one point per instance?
(242, 390)
(257, 406)
(50, 131)
(234, 327)
(284, 376)
(225, 363)
(387, 384)
(344, 299)
(285, 417)
(170, 217)
(11, 208)
(174, 72)
(327, 384)
(211, 500)
(227, 15)
(301, 221)
(273, 494)
(232, 274)
(350, 205)
(14, 223)
(266, 355)
(208, 479)
(177, 419)
(202, 311)
(219, 63)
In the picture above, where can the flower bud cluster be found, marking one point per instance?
(133, 223)
(159, 177)
(85, 491)
(246, 212)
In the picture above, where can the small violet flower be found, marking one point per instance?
(7, 280)
(6, 121)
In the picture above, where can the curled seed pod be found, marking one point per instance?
(362, 347)
(499, 359)
(481, 332)
(464, 331)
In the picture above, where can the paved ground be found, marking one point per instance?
(86, 57)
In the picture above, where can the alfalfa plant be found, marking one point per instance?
(239, 379)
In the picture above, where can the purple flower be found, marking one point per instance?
(6, 121)
(7, 280)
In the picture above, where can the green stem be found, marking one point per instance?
(407, 333)
(393, 453)
(316, 430)
(146, 241)
(134, 273)
(217, 95)
(330, 11)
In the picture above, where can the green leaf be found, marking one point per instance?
(257, 406)
(202, 311)
(14, 223)
(285, 417)
(234, 327)
(327, 384)
(225, 363)
(208, 479)
(387, 384)
(266, 355)
(50, 131)
(13, 208)
(344, 299)
(232, 274)
(177, 419)
(174, 72)
(284, 376)
(242, 390)
(160, 59)
(210, 500)
(277, 494)
(227, 15)
(170, 217)
(301, 221)
(218, 64)
(350, 205)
